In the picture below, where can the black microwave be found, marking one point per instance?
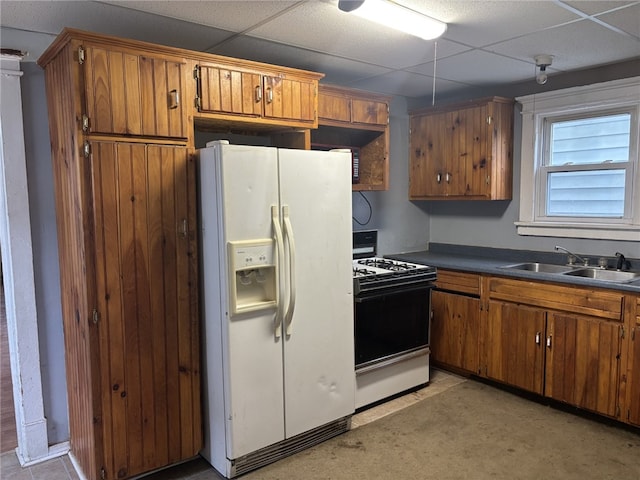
(355, 157)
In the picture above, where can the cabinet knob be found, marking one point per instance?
(439, 177)
(549, 341)
(258, 93)
(537, 338)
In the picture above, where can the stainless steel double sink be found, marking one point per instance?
(596, 273)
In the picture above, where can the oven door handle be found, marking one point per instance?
(384, 292)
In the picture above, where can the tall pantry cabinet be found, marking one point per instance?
(126, 213)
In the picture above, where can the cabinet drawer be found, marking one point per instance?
(458, 282)
(598, 303)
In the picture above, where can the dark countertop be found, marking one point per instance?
(492, 260)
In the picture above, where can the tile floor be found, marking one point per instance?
(62, 468)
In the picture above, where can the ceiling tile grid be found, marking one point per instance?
(487, 43)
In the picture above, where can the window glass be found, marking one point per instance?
(591, 140)
(586, 193)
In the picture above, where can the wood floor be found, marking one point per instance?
(8, 439)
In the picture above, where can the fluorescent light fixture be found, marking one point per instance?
(394, 15)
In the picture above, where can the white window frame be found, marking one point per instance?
(587, 100)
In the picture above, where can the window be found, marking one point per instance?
(580, 173)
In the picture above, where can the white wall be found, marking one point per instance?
(402, 226)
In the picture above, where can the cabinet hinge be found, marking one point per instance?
(85, 123)
(197, 103)
(80, 55)
(618, 412)
(95, 317)
(622, 331)
(489, 119)
(86, 149)
(196, 72)
(633, 334)
(488, 180)
(103, 473)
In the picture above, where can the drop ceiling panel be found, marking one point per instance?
(480, 68)
(52, 17)
(627, 20)
(594, 8)
(574, 46)
(345, 36)
(406, 84)
(336, 69)
(484, 23)
(227, 15)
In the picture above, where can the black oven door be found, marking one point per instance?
(391, 322)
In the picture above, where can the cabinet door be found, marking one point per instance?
(132, 94)
(225, 90)
(455, 330)
(369, 112)
(471, 154)
(633, 397)
(289, 98)
(147, 318)
(429, 150)
(513, 342)
(582, 361)
(334, 107)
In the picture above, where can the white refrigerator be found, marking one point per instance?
(277, 301)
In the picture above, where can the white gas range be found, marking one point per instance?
(392, 318)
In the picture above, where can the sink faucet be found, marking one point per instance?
(622, 262)
(585, 261)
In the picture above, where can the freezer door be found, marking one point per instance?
(243, 370)
(315, 195)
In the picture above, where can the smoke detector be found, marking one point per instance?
(542, 62)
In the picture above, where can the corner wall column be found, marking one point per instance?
(17, 268)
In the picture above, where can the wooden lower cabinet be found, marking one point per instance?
(455, 330)
(128, 261)
(633, 372)
(582, 361)
(147, 329)
(513, 345)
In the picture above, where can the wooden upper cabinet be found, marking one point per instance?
(358, 120)
(245, 93)
(463, 151)
(350, 106)
(132, 93)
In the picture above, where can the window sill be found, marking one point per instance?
(568, 230)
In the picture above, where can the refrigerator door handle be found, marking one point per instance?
(288, 233)
(277, 231)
